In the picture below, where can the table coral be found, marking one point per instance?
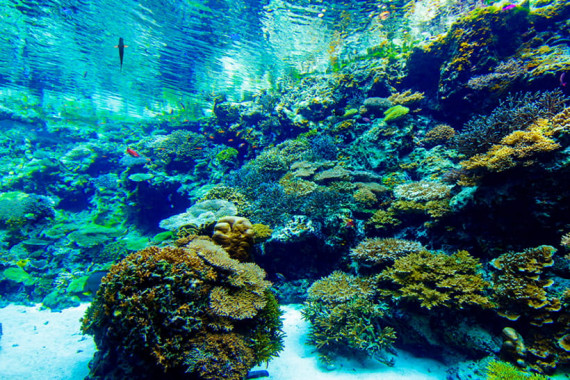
(183, 310)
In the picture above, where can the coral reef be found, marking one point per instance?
(438, 280)
(190, 309)
(380, 253)
(235, 235)
(343, 317)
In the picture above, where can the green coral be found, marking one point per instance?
(497, 370)
(227, 154)
(439, 280)
(395, 112)
(344, 317)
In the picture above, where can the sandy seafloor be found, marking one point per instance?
(39, 345)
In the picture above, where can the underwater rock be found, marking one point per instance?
(200, 215)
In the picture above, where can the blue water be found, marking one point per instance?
(399, 168)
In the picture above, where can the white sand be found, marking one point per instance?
(42, 345)
(299, 361)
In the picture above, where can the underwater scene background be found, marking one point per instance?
(399, 168)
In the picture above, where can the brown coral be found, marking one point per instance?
(339, 287)
(519, 289)
(437, 280)
(440, 134)
(520, 148)
(382, 252)
(235, 235)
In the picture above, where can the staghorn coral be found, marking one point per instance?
(516, 112)
(235, 234)
(382, 252)
(339, 287)
(438, 280)
(497, 370)
(193, 310)
(354, 325)
(343, 315)
(382, 219)
(261, 232)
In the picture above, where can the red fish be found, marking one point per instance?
(132, 153)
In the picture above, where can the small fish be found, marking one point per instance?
(84, 74)
(384, 15)
(121, 46)
(241, 145)
(509, 7)
(132, 153)
(230, 140)
(562, 77)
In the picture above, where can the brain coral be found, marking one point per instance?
(179, 312)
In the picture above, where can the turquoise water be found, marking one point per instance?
(399, 168)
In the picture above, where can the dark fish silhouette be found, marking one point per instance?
(121, 47)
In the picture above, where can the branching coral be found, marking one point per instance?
(190, 309)
(440, 134)
(382, 252)
(439, 280)
(406, 98)
(339, 287)
(517, 112)
(343, 317)
(497, 370)
(519, 289)
(520, 148)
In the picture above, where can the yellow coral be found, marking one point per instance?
(438, 279)
(518, 148)
(241, 304)
(406, 97)
(339, 287)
